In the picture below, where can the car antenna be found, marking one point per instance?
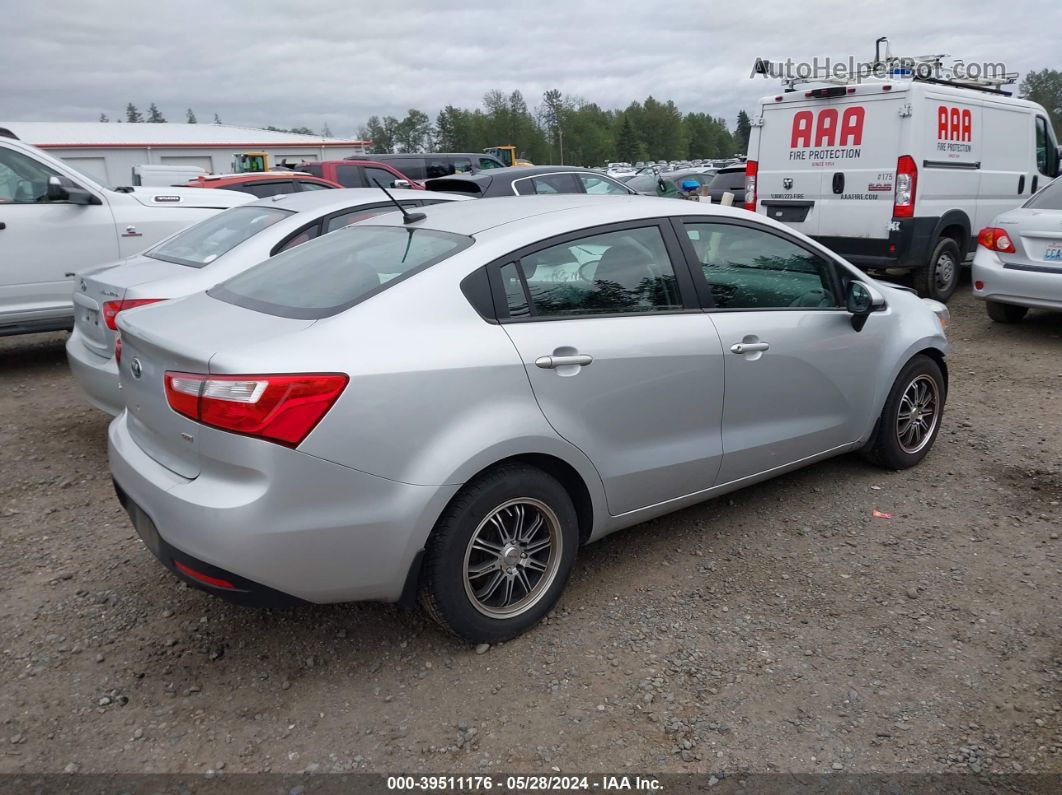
(407, 217)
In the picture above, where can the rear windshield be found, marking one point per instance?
(729, 180)
(1050, 198)
(336, 271)
(643, 183)
(203, 243)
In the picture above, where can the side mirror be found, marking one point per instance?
(400, 183)
(71, 194)
(860, 301)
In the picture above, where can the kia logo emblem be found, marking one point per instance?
(787, 183)
(137, 368)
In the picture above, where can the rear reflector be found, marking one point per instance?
(203, 578)
(906, 186)
(277, 408)
(112, 308)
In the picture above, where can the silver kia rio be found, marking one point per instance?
(448, 404)
(199, 257)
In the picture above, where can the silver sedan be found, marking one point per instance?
(1018, 263)
(199, 257)
(448, 405)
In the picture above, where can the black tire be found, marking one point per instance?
(885, 447)
(443, 591)
(940, 277)
(1006, 313)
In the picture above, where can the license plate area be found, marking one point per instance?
(788, 212)
(1053, 253)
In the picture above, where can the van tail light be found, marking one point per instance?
(906, 185)
(995, 239)
(751, 170)
(112, 308)
(277, 408)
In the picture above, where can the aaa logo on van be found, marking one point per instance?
(954, 129)
(828, 134)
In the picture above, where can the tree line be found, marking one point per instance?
(563, 130)
(154, 116)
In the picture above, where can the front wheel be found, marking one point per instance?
(500, 555)
(940, 277)
(910, 421)
(1005, 313)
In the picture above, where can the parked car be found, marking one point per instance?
(529, 181)
(55, 221)
(652, 184)
(1018, 263)
(449, 405)
(898, 173)
(729, 179)
(360, 174)
(264, 184)
(420, 167)
(199, 257)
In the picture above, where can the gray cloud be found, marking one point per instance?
(320, 61)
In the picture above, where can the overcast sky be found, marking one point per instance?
(311, 62)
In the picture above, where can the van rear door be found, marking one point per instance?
(828, 162)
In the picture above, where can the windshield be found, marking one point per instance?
(1050, 198)
(200, 245)
(336, 271)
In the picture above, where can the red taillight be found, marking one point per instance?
(112, 308)
(751, 169)
(277, 408)
(118, 348)
(995, 239)
(906, 185)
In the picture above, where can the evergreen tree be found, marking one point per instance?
(191, 117)
(132, 115)
(217, 119)
(103, 118)
(742, 133)
(155, 115)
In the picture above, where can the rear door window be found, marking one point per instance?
(374, 175)
(549, 183)
(264, 190)
(412, 167)
(489, 162)
(595, 183)
(350, 176)
(338, 270)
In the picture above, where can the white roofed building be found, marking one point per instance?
(107, 152)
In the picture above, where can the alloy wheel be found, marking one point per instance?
(918, 413)
(512, 557)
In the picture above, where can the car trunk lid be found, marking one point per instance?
(181, 336)
(1039, 235)
(100, 286)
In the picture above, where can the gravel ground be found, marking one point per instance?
(781, 628)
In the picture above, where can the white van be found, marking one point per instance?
(161, 176)
(898, 174)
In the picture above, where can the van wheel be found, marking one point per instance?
(500, 554)
(910, 421)
(940, 277)
(1005, 313)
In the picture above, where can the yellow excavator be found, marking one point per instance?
(507, 154)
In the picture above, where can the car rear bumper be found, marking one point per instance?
(1009, 281)
(97, 376)
(294, 528)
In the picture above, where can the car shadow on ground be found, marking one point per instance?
(29, 354)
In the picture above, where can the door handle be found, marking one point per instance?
(750, 347)
(551, 362)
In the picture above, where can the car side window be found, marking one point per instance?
(548, 183)
(22, 179)
(307, 234)
(307, 185)
(350, 176)
(627, 271)
(264, 190)
(438, 167)
(749, 268)
(359, 214)
(462, 165)
(592, 183)
(486, 162)
(381, 175)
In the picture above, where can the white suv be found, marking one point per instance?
(55, 222)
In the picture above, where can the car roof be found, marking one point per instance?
(324, 200)
(554, 214)
(214, 180)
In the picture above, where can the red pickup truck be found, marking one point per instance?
(359, 173)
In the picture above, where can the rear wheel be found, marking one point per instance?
(500, 555)
(910, 421)
(1005, 313)
(940, 277)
